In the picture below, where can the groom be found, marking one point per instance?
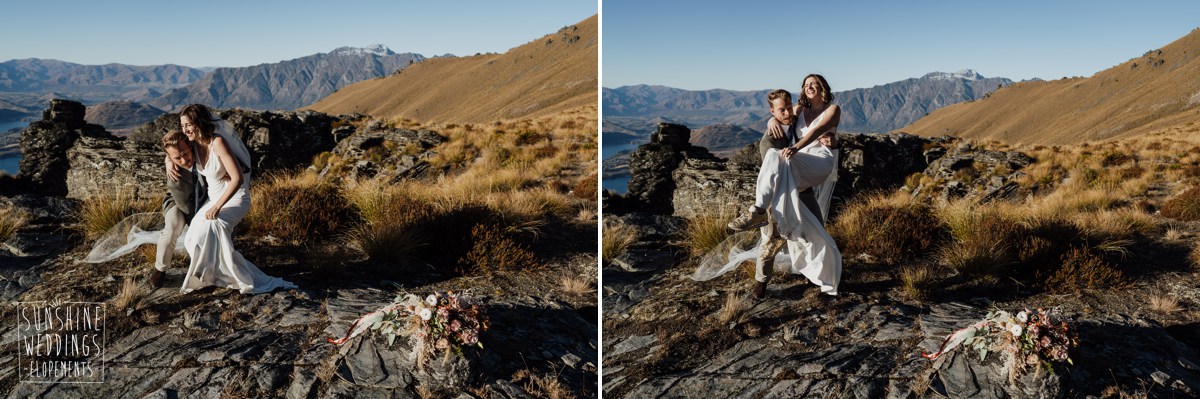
(780, 135)
(184, 197)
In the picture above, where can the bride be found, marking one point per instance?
(224, 161)
(784, 180)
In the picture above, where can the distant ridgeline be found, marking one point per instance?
(27, 85)
(877, 109)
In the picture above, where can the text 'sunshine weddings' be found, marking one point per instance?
(61, 343)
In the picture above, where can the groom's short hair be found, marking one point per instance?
(777, 94)
(174, 139)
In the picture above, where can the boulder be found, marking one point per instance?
(106, 166)
(408, 160)
(45, 144)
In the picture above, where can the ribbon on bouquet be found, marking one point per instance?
(953, 340)
(364, 323)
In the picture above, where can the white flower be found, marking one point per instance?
(431, 300)
(1022, 316)
(1015, 329)
(425, 314)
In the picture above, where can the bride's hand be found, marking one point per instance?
(775, 129)
(788, 152)
(212, 213)
(173, 170)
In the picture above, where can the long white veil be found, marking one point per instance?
(236, 146)
(127, 235)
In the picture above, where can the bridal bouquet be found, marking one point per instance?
(444, 321)
(449, 323)
(1032, 337)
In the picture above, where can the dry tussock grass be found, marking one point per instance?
(985, 236)
(917, 282)
(892, 228)
(1082, 269)
(389, 221)
(576, 285)
(101, 212)
(11, 220)
(733, 310)
(1174, 234)
(297, 208)
(130, 296)
(1194, 256)
(493, 250)
(706, 231)
(1185, 206)
(1119, 224)
(1164, 303)
(543, 386)
(617, 237)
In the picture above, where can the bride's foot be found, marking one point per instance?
(754, 217)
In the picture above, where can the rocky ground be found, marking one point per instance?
(668, 336)
(216, 342)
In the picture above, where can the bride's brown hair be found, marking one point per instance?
(826, 95)
(202, 118)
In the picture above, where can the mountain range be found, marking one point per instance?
(287, 84)
(1157, 93)
(27, 85)
(877, 109)
(546, 76)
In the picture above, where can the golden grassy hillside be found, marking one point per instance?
(1156, 92)
(544, 77)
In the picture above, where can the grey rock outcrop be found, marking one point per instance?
(45, 144)
(408, 158)
(281, 140)
(651, 166)
(99, 163)
(111, 166)
(704, 185)
(967, 171)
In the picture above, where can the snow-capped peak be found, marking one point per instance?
(964, 74)
(374, 49)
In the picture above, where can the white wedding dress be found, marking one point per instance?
(810, 251)
(209, 243)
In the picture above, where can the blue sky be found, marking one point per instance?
(752, 45)
(251, 32)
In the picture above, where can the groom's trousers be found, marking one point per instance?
(174, 222)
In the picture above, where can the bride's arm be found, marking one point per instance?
(833, 114)
(221, 149)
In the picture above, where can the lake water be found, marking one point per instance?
(11, 164)
(617, 184)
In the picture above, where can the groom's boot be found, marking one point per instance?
(156, 278)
